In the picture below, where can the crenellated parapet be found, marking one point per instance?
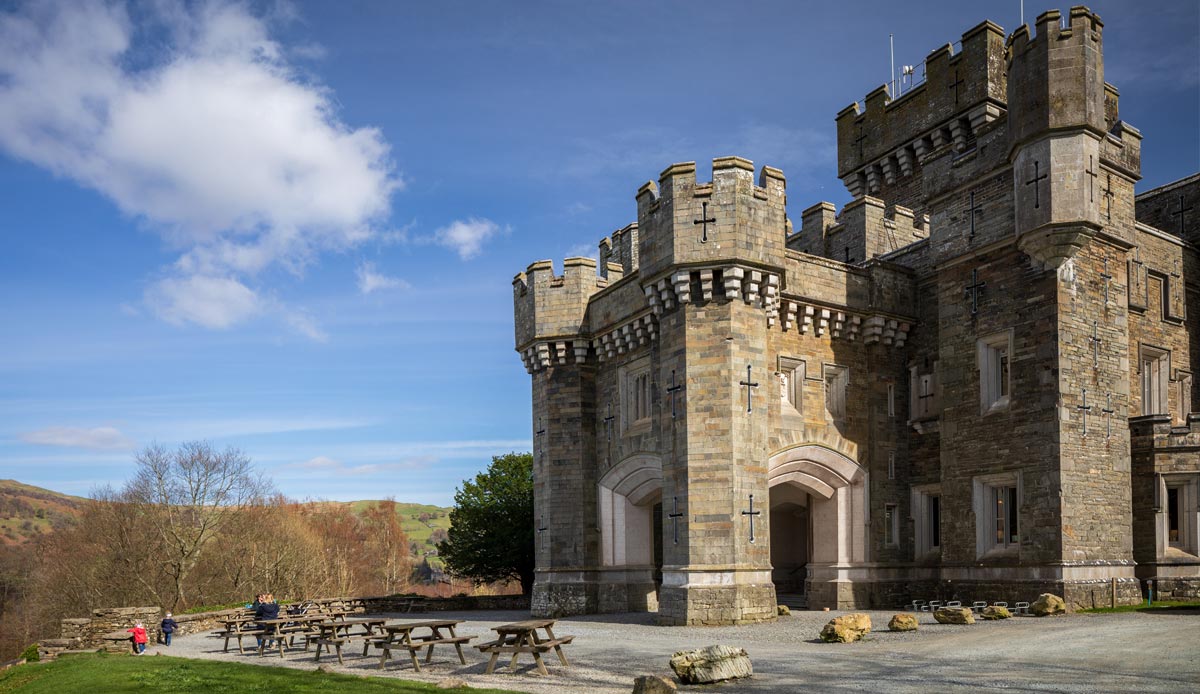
(731, 220)
(550, 311)
(620, 249)
(866, 228)
(889, 138)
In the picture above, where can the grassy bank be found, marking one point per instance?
(117, 674)
(1142, 607)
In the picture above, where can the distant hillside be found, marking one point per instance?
(420, 522)
(27, 511)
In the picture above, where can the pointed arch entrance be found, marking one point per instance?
(818, 521)
(630, 510)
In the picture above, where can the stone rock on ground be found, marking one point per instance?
(1048, 603)
(653, 684)
(994, 612)
(453, 683)
(783, 610)
(847, 628)
(903, 622)
(324, 668)
(711, 664)
(954, 615)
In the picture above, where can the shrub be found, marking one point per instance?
(30, 654)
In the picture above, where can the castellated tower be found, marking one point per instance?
(928, 394)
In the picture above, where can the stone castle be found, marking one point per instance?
(974, 383)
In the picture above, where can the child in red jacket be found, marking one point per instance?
(139, 637)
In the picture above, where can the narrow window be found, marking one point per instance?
(891, 400)
(891, 465)
(1002, 358)
(1173, 516)
(935, 521)
(890, 525)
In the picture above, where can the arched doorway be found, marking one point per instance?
(818, 522)
(630, 505)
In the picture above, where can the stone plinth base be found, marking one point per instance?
(716, 598)
(594, 591)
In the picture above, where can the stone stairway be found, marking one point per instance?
(794, 601)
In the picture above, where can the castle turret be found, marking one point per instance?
(1056, 99)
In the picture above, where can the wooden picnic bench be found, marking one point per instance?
(236, 629)
(336, 633)
(400, 637)
(523, 637)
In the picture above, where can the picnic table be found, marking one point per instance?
(333, 634)
(522, 637)
(239, 627)
(400, 637)
(284, 630)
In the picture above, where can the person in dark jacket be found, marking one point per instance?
(265, 610)
(168, 627)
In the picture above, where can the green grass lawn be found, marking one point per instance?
(102, 674)
(1141, 607)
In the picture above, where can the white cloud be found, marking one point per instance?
(211, 302)
(466, 237)
(96, 438)
(370, 280)
(325, 464)
(193, 122)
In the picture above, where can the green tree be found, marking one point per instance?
(491, 525)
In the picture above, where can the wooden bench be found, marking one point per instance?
(238, 634)
(417, 644)
(522, 637)
(331, 641)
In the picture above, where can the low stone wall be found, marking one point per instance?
(453, 603)
(1186, 588)
(105, 628)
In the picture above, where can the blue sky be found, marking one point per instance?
(293, 227)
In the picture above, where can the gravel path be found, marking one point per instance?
(1142, 652)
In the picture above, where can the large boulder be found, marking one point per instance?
(653, 684)
(994, 612)
(903, 622)
(847, 628)
(954, 615)
(453, 683)
(711, 664)
(1048, 603)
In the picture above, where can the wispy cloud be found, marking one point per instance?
(370, 280)
(95, 438)
(467, 236)
(194, 122)
(325, 465)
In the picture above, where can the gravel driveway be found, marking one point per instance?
(1133, 652)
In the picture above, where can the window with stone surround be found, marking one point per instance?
(994, 356)
(1183, 396)
(891, 525)
(837, 382)
(997, 504)
(923, 393)
(927, 519)
(635, 394)
(1154, 368)
(1179, 510)
(891, 400)
(791, 384)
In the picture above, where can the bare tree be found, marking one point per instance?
(186, 497)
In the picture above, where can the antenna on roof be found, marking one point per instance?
(892, 53)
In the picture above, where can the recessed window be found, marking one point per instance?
(923, 389)
(997, 504)
(891, 400)
(994, 361)
(891, 465)
(837, 379)
(1155, 370)
(791, 385)
(1181, 510)
(891, 525)
(927, 519)
(636, 393)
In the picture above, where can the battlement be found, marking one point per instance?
(1057, 76)
(730, 218)
(962, 92)
(548, 306)
(1157, 432)
(866, 228)
(620, 249)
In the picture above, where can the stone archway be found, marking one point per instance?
(821, 493)
(630, 495)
